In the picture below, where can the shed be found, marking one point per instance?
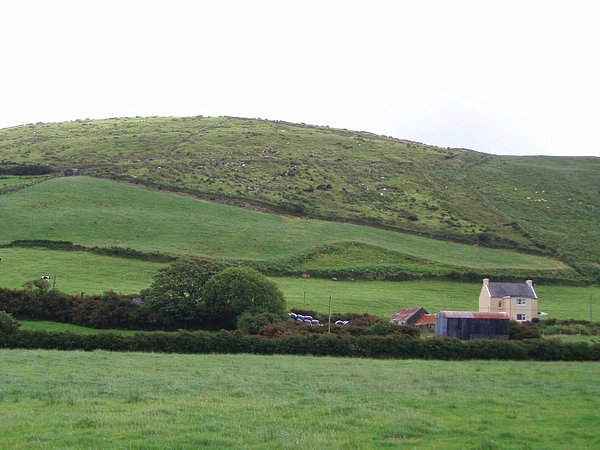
(426, 323)
(407, 316)
(467, 325)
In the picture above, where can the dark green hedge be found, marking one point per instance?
(394, 346)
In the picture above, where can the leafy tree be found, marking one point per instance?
(8, 324)
(176, 294)
(236, 291)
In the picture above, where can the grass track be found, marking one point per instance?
(113, 400)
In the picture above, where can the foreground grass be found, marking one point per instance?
(110, 400)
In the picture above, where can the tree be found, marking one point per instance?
(176, 294)
(235, 291)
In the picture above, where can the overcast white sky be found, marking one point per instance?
(505, 77)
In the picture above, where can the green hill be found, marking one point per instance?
(537, 204)
(102, 213)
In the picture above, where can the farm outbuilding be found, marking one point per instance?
(408, 316)
(426, 323)
(468, 325)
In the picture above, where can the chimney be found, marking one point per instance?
(529, 283)
(486, 281)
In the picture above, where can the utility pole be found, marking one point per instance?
(329, 319)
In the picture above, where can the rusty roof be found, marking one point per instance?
(474, 315)
(405, 314)
(427, 319)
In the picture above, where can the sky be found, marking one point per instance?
(503, 77)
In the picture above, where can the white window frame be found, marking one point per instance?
(521, 302)
(521, 317)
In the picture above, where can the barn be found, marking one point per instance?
(468, 325)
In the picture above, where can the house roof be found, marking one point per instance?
(404, 314)
(511, 290)
(427, 319)
(474, 315)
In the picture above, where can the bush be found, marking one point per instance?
(525, 330)
(8, 324)
(252, 323)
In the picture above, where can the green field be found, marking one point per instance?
(55, 399)
(46, 325)
(78, 272)
(75, 272)
(102, 213)
(8, 182)
(383, 298)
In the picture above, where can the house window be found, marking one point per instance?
(521, 317)
(499, 303)
(521, 302)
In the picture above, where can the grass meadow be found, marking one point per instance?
(383, 298)
(75, 272)
(8, 182)
(46, 325)
(51, 399)
(102, 213)
(78, 272)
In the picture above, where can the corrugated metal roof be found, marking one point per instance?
(427, 319)
(474, 315)
(404, 314)
(511, 290)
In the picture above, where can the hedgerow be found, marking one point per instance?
(394, 346)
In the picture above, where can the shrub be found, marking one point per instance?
(526, 330)
(252, 323)
(8, 324)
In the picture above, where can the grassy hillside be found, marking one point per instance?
(113, 400)
(336, 174)
(557, 200)
(102, 213)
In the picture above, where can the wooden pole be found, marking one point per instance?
(329, 319)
